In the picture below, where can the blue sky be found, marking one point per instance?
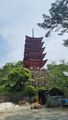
(17, 18)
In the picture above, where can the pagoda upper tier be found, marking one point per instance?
(33, 39)
(33, 53)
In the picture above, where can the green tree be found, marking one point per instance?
(57, 77)
(18, 77)
(31, 91)
(57, 20)
(13, 77)
(19, 64)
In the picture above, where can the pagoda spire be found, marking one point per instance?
(33, 32)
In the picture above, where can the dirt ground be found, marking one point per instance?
(25, 113)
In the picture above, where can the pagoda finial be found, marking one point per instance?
(33, 32)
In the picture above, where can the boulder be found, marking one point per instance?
(35, 106)
(23, 102)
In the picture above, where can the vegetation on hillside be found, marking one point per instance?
(14, 78)
(57, 77)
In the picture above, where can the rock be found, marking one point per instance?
(36, 106)
(6, 106)
(23, 102)
(17, 106)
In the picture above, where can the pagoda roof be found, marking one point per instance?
(36, 39)
(35, 63)
(34, 56)
(31, 45)
(33, 42)
(32, 50)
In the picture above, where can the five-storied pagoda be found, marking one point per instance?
(33, 53)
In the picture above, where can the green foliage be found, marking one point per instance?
(57, 78)
(19, 64)
(18, 77)
(31, 91)
(57, 20)
(19, 74)
(43, 88)
(13, 77)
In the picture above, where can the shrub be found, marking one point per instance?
(31, 91)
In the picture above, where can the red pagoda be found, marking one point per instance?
(33, 53)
